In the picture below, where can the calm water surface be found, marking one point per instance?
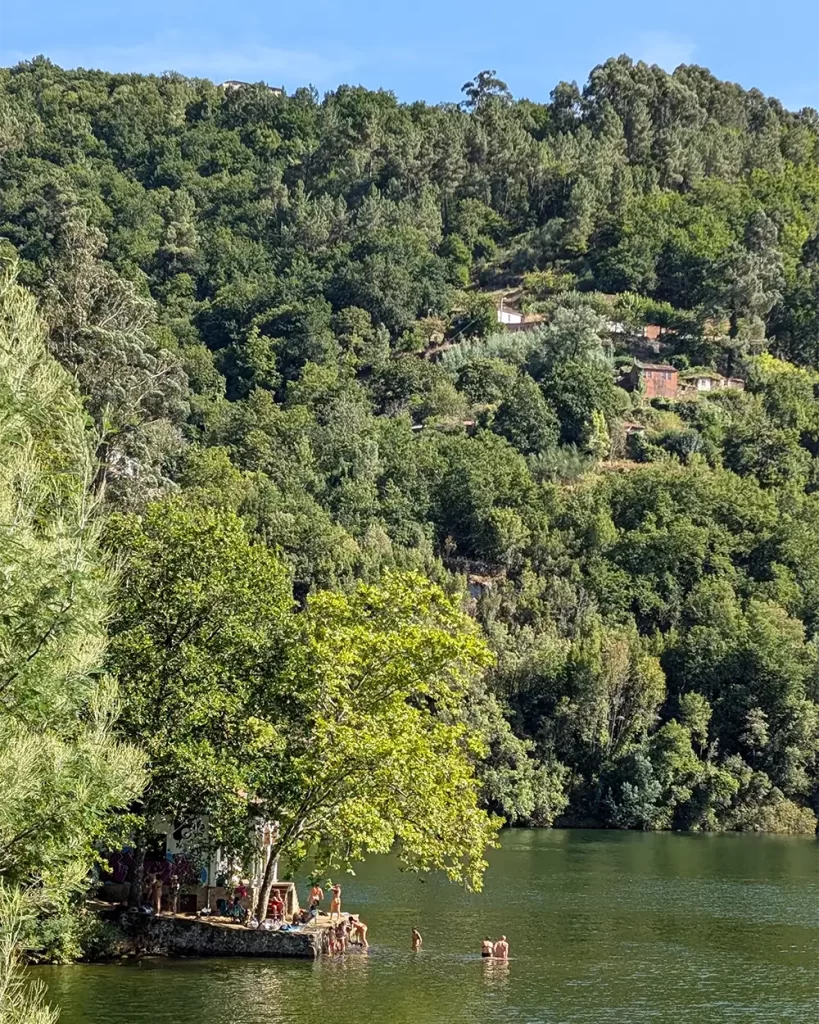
(604, 927)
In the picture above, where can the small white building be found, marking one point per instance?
(705, 380)
(509, 316)
(710, 380)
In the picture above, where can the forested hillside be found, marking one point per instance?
(283, 308)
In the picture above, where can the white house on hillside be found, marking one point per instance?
(509, 316)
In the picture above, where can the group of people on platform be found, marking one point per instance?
(350, 931)
(152, 887)
(344, 931)
(317, 895)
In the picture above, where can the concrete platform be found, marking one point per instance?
(144, 935)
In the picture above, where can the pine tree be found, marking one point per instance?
(60, 769)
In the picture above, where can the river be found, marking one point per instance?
(604, 927)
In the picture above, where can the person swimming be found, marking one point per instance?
(417, 940)
(501, 951)
(487, 947)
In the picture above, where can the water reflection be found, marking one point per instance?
(495, 973)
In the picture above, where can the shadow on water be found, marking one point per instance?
(605, 927)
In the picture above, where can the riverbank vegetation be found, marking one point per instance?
(313, 451)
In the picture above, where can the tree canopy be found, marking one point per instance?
(280, 312)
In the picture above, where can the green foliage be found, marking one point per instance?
(376, 753)
(340, 724)
(524, 418)
(252, 291)
(62, 772)
(199, 616)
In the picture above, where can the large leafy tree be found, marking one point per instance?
(197, 631)
(376, 754)
(340, 725)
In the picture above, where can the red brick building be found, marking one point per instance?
(656, 380)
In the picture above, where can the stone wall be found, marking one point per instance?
(143, 935)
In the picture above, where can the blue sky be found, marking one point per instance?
(425, 49)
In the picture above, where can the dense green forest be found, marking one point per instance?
(281, 315)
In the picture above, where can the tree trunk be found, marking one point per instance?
(135, 892)
(271, 872)
(733, 331)
(101, 475)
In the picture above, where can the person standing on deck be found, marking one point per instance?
(175, 886)
(316, 895)
(417, 941)
(335, 901)
(157, 895)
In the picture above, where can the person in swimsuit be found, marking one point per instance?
(501, 951)
(335, 902)
(156, 892)
(487, 947)
(417, 941)
(316, 895)
(275, 907)
(176, 888)
(341, 936)
(358, 931)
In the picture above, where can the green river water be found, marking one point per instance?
(603, 926)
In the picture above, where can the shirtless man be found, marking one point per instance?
(501, 951)
(417, 941)
(316, 896)
(335, 902)
(487, 947)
